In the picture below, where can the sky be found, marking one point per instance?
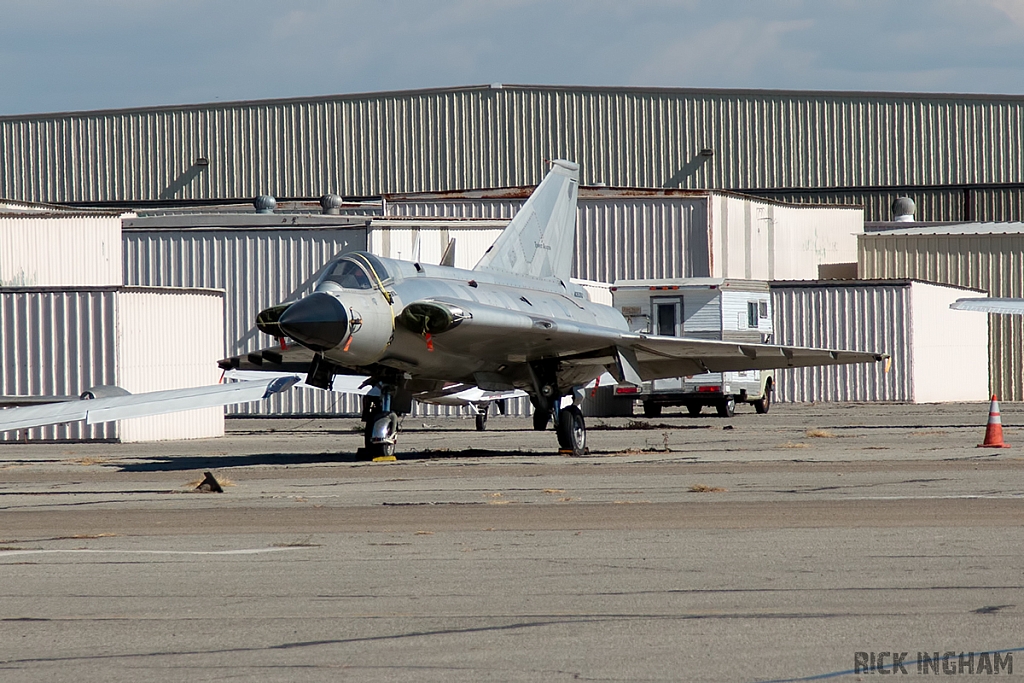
(70, 55)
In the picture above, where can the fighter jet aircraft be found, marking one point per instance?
(515, 321)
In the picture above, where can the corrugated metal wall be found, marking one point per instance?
(170, 339)
(60, 250)
(57, 343)
(639, 238)
(990, 262)
(856, 318)
(616, 238)
(427, 241)
(630, 235)
(485, 137)
(933, 204)
(257, 269)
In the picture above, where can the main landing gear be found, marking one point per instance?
(570, 428)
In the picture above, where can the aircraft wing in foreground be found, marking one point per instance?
(124, 406)
(990, 305)
(455, 394)
(514, 322)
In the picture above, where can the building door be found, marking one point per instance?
(668, 316)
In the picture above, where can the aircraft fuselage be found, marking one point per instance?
(379, 334)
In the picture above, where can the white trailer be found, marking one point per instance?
(700, 308)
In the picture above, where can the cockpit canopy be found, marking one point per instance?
(348, 275)
(355, 270)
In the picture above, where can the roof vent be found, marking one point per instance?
(265, 204)
(330, 204)
(903, 210)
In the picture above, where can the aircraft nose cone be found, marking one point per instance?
(318, 321)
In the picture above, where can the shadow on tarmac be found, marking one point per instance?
(199, 462)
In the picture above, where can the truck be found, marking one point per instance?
(701, 308)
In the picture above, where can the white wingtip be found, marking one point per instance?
(566, 164)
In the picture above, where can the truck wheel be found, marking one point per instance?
(651, 409)
(765, 402)
(693, 408)
(727, 407)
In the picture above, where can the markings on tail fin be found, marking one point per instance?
(540, 241)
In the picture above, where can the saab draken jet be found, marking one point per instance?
(513, 322)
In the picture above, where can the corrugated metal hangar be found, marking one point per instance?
(985, 256)
(661, 172)
(936, 355)
(67, 325)
(958, 156)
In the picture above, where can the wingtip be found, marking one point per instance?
(566, 164)
(280, 384)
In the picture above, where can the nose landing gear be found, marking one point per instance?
(380, 417)
(381, 434)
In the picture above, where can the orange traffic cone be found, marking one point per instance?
(994, 430)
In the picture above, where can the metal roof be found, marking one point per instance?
(722, 92)
(592, 192)
(481, 136)
(12, 207)
(899, 282)
(1014, 228)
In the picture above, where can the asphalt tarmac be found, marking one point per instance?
(757, 548)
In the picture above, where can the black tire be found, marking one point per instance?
(481, 420)
(572, 431)
(377, 450)
(651, 409)
(541, 419)
(726, 407)
(762, 404)
(693, 409)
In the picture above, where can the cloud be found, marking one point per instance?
(56, 55)
(730, 53)
(1013, 9)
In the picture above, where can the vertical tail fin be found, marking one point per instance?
(540, 241)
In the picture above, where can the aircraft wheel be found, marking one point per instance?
(693, 408)
(379, 450)
(651, 409)
(541, 419)
(765, 402)
(727, 408)
(481, 420)
(572, 431)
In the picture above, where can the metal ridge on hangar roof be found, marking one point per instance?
(598, 192)
(1009, 228)
(724, 92)
(874, 282)
(14, 208)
